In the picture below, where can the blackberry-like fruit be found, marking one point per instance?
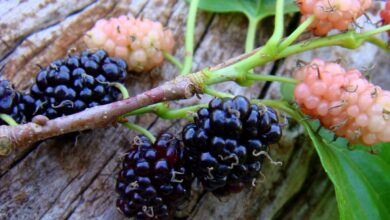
(75, 83)
(153, 180)
(226, 145)
(14, 103)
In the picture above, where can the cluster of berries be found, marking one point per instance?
(344, 101)
(65, 87)
(224, 149)
(385, 14)
(14, 103)
(153, 178)
(77, 82)
(332, 14)
(140, 42)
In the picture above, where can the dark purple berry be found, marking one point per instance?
(153, 180)
(225, 146)
(15, 104)
(77, 82)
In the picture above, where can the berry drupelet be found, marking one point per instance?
(75, 83)
(14, 103)
(153, 181)
(226, 145)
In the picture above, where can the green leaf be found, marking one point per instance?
(361, 179)
(255, 9)
(287, 91)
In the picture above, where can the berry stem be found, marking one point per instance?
(180, 113)
(8, 119)
(272, 78)
(164, 112)
(122, 89)
(380, 43)
(173, 60)
(279, 24)
(251, 33)
(297, 32)
(189, 38)
(210, 91)
(141, 130)
(147, 109)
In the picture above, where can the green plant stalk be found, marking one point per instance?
(251, 33)
(122, 89)
(8, 119)
(380, 43)
(279, 24)
(140, 129)
(270, 52)
(173, 60)
(208, 90)
(239, 71)
(271, 78)
(297, 32)
(189, 38)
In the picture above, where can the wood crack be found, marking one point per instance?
(21, 39)
(81, 192)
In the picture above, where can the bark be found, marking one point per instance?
(74, 177)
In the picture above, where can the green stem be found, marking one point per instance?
(173, 60)
(147, 109)
(261, 77)
(297, 32)
(239, 70)
(122, 89)
(349, 40)
(140, 129)
(164, 112)
(380, 43)
(8, 119)
(189, 38)
(208, 90)
(269, 53)
(185, 112)
(279, 24)
(251, 34)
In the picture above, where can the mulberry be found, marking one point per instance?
(153, 181)
(14, 103)
(344, 101)
(225, 147)
(332, 14)
(75, 83)
(140, 42)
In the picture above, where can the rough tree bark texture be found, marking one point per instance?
(73, 178)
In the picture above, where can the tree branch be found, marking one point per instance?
(100, 116)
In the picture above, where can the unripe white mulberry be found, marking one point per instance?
(332, 14)
(344, 101)
(140, 42)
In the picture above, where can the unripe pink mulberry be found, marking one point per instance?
(344, 101)
(140, 42)
(332, 14)
(385, 15)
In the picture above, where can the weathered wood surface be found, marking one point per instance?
(69, 179)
